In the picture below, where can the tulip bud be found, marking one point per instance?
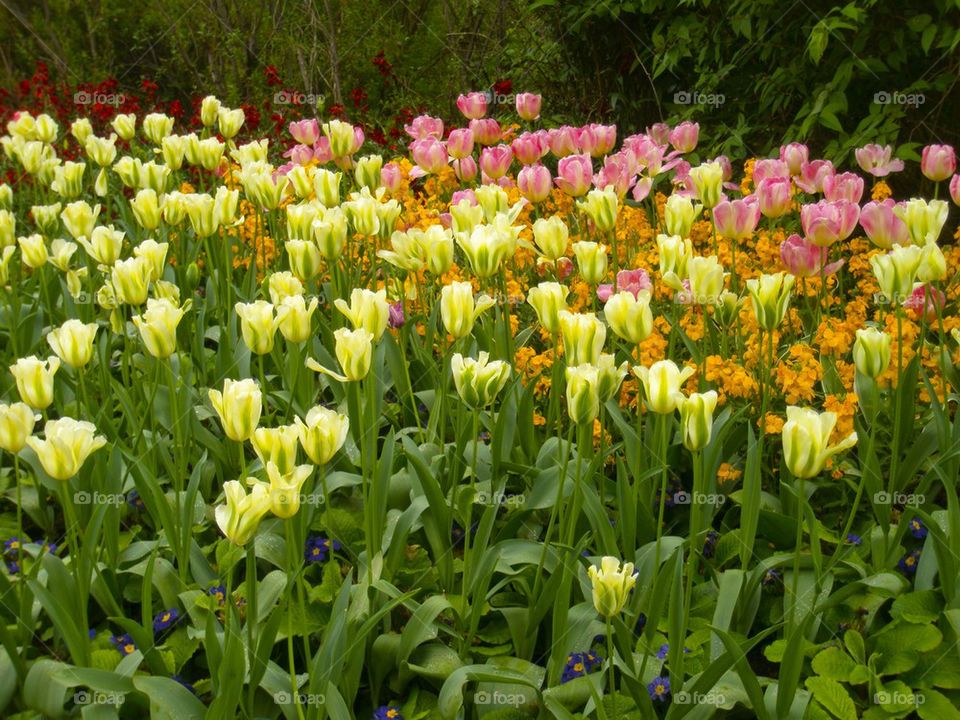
(367, 309)
(708, 181)
(330, 233)
(282, 285)
(8, 227)
(479, 381)
(601, 206)
(79, 218)
(629, 316)
(73, 342)
(534, 183)
(486, 248)
(611, 586)
(674, 253)
(583, 337)
(34, 251)
(125, 125)
(146, 209)
(81, 129)
(362, 213)
(458, 310)
(66, 446)
(258, 325)
(436, 245)
(661, 385)
(156, 254)
(285, 489)
(583, 393)
(68, 179)
(210, 153)
(610, 376)
(548, 299)
(679, 214)
(771, 298)
(696, 419)
(230, 121)
(293, 315)
(367, 171)
(550, 236)
(933, 265)
(209, 109)
(158, 326)
(322, 433)
(924, 220)
(806, 438)
(104, 244)
(528, 106)
(896, 271)
(277, 445)
(16, 425)
(871, 352)
(305, 259)
(341, 137)
(938, 162)
(327, 186)
(592, 260)
(35, 380)
(131, 280)
(472, 105)
(240, 517)
(239, 407)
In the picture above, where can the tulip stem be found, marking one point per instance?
(795, 580)
(291, 577)
(251, 580)
(473, 486)
(73, 543)
(610, 656)
(663, 432)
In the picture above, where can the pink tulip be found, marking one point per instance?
(299, 154)
(460, 143)
(429, 154)
(321, 151)
(882, 226)
(926, 301)
(465, 169)
(528, 106)
(844, 186)
(681, 176)
(659, 133)
(804, 259)
(648, 152)
(737, 219)
(574, 174)
(775, 196)
(725, 165)
(461, 195)
(812, 174)
(684, 136)
(938, 162)
(955, 189)
(534, 183)
(564, 141)
(305, 132)
(794, 155)
(631, 281)
(769, 168)
(472, 105)
(597, 140)
(876, 160)
(530, 147)
(619, 171)
(642, 188)
(424, 125)
(391, 177)
(826, 222)
(495, 161)
(485, 131)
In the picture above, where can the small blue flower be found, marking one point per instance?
(659, 688)
(387, 712)
(580, 664)
(218, 592)
(853, 539)
(918, 529)
(908, 563)
(13, 546)
(134, 500)
(165, 620)
(317, 548)
(771, 578)
(663, 651)
(710, 543)
(124, 644)
(641, 624)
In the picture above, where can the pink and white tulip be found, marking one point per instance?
(684, 137)
(826, 222)
(805, 259)
(843, 186)
(938, 162)
(877, 160)
(528, 106)
(472, 105)
(574, 174)
(882, 225)
(534, 182)
(737, 219)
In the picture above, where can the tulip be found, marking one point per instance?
(424, 125)
(528, 106)
(81, 129)
(465, 169)
(534, 183)
(933, 265)
(68, 179)
(574, 175)
(73, 342)
(876, 160)
(104, 244)
(479, 381)
(530, 147)
(826, 222)
(954, 191)
(367, 171)
(342, 138)
(305, 258)
(16, 425)
(460, 143)
(592, 260)
(240, 517)
(300, 220)
(804, 259)
(407, 250)
(486, 248)
(391, 177)
(387, 214)
(277, 446)
(282, 285)
(882, 225)
(8, 227)
(79, 218)
(472, 105)
(158, 326)
(896, 271)
(429, 154)
(209, 109)
(35, 380)
(583, 393)
(871, 352)
(708, 182)
(843, 186)
(633, 281)
(704, 282)
(806, 438)
(200, 208)
(66, 446)
(125, 125)
(156, 126)
(583, 337)
(597, 140)
(146, 209)
(696, 419)
(564, 141)
(6, 255)
(230, 121)
(33, 250)
(938, 162)
(775, 196)
(771, 298)
(770, 168)
(548, 300)
(926, 302)
(674, 253)
(437, 247)
(924, 220)
(305, 132)
(486, 131)
(684, 136)
(155, 253)
(813, 174)
(611, 586)
(367, 309)
(327, 186)
(629, 316)
(322, 433)
(661, 384)
(293, 318)
(679, 214)
(258, 325)
(458, 309)
(354, 351)
(239, 407)
(737, 219)
(493, 200)
(795, 155)
(610, 376)
(131, 280)
(285, 489)
(601, 206)
(330, 232)
(361, 210)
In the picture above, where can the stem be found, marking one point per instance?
(251, 580)
(469, 519)
(291, 658)
(795, 580)
(663, 432)
(73, 542)
(610, 657)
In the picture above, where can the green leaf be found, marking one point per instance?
(833, 663)
(833, 696)
(169, 700)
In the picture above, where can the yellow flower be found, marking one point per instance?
(458, 309)
(35, 380)
(629, 316)
(239, 407)
(583, 337)
(66, 446)
(806, 438)
(73, 342)
(277, 445)
(611, 585)
(367, 309)
(16, 425)
(258, 325)
(322, 433)
(661, 383)
(479, 381)
(158, 326)
(354, 351)
(240, 517)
